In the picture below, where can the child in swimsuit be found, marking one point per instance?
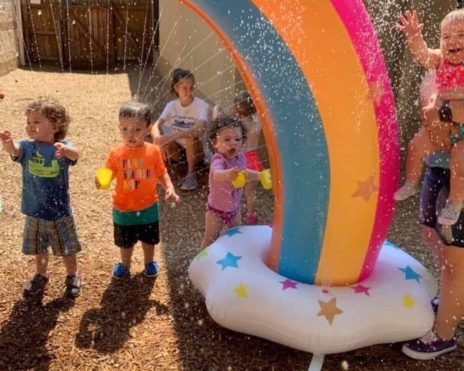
(223, 205)
(443, 117)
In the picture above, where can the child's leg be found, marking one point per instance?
(126, 256)
(73, 281)
(419, 148)
(70, 262)
(41, 264)
(250, 196)
(148, 252)
(151, 268)
(450, 213)
(213, 226)
(190, 153)
(457, 173)
(451, 308)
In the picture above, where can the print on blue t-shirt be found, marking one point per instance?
(45, 192)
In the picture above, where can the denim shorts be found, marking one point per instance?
(434, 193)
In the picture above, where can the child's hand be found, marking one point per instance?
(5, 136)
(409, 25)
(170, 193)
(232, 173)
(60, 150)
(7, 140)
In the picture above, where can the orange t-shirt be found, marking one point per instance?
(136, 170)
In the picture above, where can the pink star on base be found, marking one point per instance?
(288, 284)
(359, 289)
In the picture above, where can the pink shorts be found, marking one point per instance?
(226, 217)
(252, 160)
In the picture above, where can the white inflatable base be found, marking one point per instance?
(244, 295)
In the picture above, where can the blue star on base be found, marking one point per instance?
(233, 231)
(410, 274)
(230, 260)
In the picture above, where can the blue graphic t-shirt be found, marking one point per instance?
(45, 191)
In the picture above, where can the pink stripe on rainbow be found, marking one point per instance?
(369, 52)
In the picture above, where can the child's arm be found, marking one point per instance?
(62, 150)
(166, 183)
(225, 175)
(412, 29)
(8, 144)
(252, 175)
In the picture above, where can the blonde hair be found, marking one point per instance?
(453, 16)
(54, 112)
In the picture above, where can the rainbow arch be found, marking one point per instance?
(319, 80)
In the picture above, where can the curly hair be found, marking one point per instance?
(224, 122)
(54, 112)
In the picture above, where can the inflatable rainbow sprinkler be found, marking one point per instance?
(322, 279)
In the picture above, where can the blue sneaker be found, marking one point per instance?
(428, 347)
(120, 270)
(151, 269)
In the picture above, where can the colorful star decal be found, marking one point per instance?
(329, 309)
(202, 254)
(365, 189)
(408, 301)
(241, 291)
(376, 91)
(410, 274)
(233, 231)
(230, 260)
(359, 289)
(288, 284)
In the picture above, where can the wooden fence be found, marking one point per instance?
(90, 34)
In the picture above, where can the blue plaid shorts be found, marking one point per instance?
(60, 234)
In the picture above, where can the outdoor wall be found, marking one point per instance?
(8, 41)
(187, 41)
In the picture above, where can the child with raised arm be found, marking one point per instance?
(223, 205)
(246, 112)
(137, 166)
(45, 159)
(443, 125)
(183, 123)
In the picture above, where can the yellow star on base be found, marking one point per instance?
(408, 301)
(202, 253)
(376, 91)
(241, 291)
(365, 189)
(329, 309)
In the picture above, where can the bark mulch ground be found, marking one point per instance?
(159, 324)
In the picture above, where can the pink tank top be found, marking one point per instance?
(449, 75)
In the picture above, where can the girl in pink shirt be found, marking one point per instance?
(223, 205)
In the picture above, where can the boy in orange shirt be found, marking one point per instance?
(137, 166)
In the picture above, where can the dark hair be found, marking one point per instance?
(244, 104)
(178, 75)
(139, 110)
(225, 122)
(54, 112)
